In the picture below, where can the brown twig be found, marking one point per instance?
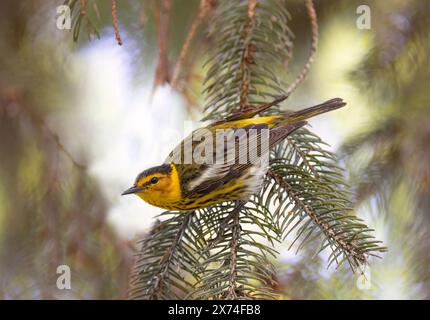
(204, 8)
(15, 96)
(83, 7)
(314, 44)
(247, 57)
(115, 23)
(162, 21)
(252, 5)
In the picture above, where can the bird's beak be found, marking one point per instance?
(132, 190)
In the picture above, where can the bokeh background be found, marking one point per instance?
(79, 120)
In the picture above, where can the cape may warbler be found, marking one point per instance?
(225, 161)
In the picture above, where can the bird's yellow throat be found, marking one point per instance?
(165, 192)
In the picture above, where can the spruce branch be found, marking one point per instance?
(156, 273)
(167, 258)
(350, 248)
(242, 54)
(320, 199)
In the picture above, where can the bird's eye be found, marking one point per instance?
(154, 180)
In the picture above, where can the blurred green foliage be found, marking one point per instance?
(51, 211)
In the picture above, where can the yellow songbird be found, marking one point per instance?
(182, 185)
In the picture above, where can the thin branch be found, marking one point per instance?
(247, 56)
(62, 148)
(39, 122)
(252, 5)
(314, 45)
(204, 8)
(162, 20)
(115, 23)
(83, 7)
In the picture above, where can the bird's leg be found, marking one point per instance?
(225, 225)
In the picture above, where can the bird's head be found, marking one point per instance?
(157, 184)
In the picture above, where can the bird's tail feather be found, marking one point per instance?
(307, 113)
(280, 133)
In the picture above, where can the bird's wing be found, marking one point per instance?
(235, 152)
(278, 134)
(232, 158)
